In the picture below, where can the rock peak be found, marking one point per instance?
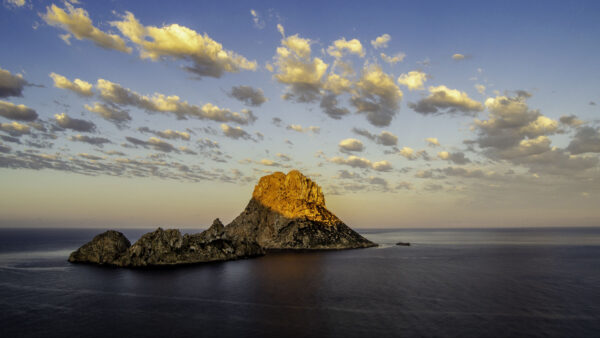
(293, 195)
(288, 212)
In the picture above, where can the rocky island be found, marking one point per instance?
(286, 212)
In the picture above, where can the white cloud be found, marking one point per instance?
(408, 153)
(432, 141)
(381, 41)
(77, 22)
(382, 166)
(341, 46)
(78, 86)
(298, 70)
(351, 145)
(414, 80)
(458, 57)
(208, 57)
(352, 161)
(392, 59)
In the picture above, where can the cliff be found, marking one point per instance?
(285, 212)
(288, 212)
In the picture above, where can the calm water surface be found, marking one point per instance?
(463, 283)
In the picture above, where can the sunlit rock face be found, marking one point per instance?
(288, 212)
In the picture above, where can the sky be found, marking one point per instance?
(409, 114)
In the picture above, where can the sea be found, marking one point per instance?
(530, 282)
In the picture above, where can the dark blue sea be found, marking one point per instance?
(448, 283)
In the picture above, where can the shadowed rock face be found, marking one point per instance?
(164, 247)
(285, 212)
(288, 212)
(103, 249)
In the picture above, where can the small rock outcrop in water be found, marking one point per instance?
(288, 212)
(285, 212)
(105, 248)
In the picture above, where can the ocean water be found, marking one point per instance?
(456, 283)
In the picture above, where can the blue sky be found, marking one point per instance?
(499, 129)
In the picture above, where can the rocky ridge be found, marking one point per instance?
(285, 212)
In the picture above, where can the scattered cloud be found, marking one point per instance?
(97, 141)
(361, 162)
(65, 121)
(378, 181)
(377, 96)
(458, 57)
(109, 112)
(234, 132)
(404, 185)
(408, 153)
(382, 166)
(352, 161)
(351, 145)
(432, 142)
(457, 157)
(384, 138)
(17, 3)
(381, 41)
(480, 89)
(78, 86)
(17, 112)
(450, 100)
(510, 122)
(283, 157)
(329, 104)
(207, 56)
(118, 95)
(414, 80)
(256, 19)
(268, 163)
(300, 129)
(154, 143)
(76, 21)
(586, 140)
(248, 95)
(341, 46)
(11, 85)
(571, 121)
(15, 128)
(296, 69)
(392, 59)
